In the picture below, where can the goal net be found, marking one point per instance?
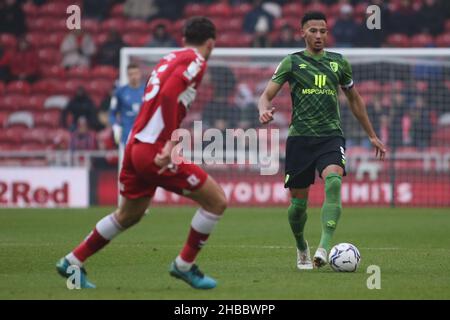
(406, 93)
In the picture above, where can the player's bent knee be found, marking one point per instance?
(128, 219)
(216, 204)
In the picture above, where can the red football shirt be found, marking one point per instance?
(162, 112)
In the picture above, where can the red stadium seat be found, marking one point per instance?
(53, 9)
(443, 40)
(317, 6)
(99, 87)
(90, 25)
(49, 118)
(13, 102)
(14, 134)
(2, 87)
(46, 86)
(118, 24)
(54, 40)
(36, 102)
(219, 10)
(105, 72)
(30, 10)
(69, 87)
(100, 38)
(422, 40)
(398, 40)
(78, 73)
(292, 10)
(49, 56)
(137, 26)
(8, 41)
(54, 72)
(18, 87)
(241, 10)
(369, 86)
(234, 24)
(195, 9)
(136, 39)
(117, 11)
(36, 38)
(35, 135)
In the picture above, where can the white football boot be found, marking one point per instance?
(320, 258)
(304, 259)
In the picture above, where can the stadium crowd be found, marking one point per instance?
(55, 84)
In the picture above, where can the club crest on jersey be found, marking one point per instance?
(334, 66)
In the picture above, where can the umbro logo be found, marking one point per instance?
(302, 66)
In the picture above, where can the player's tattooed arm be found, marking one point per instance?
(358, 108)
(266, 110)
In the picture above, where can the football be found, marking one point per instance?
(344, 257)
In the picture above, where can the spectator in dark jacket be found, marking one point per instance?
(345, 28)
(12, 17)
(109, 52)
(404, 19)
(431, 17)
(258, 18)
(162, 38)
(80, 105)
(97, 9)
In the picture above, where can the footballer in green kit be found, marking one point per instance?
(316, 140)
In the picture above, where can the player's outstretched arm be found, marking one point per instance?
(266, 110)
(358, 108)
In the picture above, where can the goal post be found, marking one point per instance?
(406, 93)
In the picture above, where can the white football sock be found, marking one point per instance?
(204, 221)
(108, 227)
(74, 260)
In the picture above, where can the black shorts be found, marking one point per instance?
(306, 154)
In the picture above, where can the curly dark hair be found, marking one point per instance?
(199, 29)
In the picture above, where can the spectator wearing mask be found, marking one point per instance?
(77, 48)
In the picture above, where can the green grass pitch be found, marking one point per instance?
(251, 254)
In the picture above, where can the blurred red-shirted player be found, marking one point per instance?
(147, 162)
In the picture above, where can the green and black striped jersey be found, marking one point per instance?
(314, 83)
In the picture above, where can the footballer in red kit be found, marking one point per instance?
(148, 162)
(167, 98)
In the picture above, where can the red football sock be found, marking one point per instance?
(93, 243)
(193, 245)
